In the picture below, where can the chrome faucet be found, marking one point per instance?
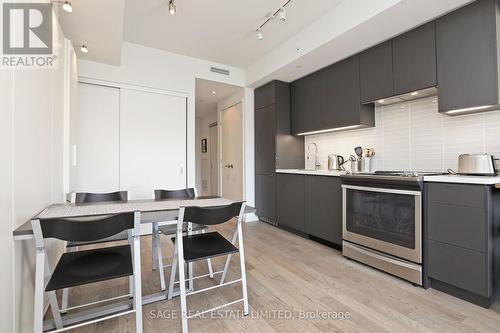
(317, 165)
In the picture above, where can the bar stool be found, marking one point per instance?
(169, 230)
(190, 248)
(87, 266)
(84, 197)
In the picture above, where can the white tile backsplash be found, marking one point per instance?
(414, 136)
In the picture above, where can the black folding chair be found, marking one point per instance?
(88, 266)
(169, 230)
(84, 197)
(191, 248)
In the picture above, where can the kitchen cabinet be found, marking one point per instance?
(306, 93)
(375, 66)
(323, 208)
(340, 97)
(290, 201)
(265, 198)
(463, 232)
(265, 95)
(265, 137)
(275, 146)
(329, 99)
(414, 59)
(467, 62)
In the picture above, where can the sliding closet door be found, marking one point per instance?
(96, 166)
(152, 142)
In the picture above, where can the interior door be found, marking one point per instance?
(95, 160)
(232, 153)
(152, 142)
(213, 148)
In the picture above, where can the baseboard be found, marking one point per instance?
(251, 217)
(482, 301)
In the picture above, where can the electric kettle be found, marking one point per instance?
(335, 162)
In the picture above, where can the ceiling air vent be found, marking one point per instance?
(219, 70)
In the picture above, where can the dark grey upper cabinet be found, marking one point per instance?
(306, 105)
(414, 59)
(265, 136)
(290, 201)
(275, 146)
(323, 208)
(265, 95)
(330, 98)
(376, 72)
(340, 97)
(467, 62)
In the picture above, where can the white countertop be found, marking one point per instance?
(311, 172)
(484, 180)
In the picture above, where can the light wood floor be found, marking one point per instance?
(292, 274)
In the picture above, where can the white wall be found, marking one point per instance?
(414, 136)
(32, 104)
(158, 69)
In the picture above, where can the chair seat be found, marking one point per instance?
(115, 238)
(171, 229)
(82, 267)
(204, 246)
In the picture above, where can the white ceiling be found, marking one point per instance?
(218, 30)
(97, 24)
(316, 33)
(206, 100)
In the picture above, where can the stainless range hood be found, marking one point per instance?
(428, 92)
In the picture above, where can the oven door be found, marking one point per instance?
(387, 220)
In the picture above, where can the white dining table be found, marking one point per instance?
(152, 211)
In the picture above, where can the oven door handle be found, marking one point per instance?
(382, 190)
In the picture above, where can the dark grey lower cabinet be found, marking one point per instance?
(265, 197)
(462, 241)
(290, 201)
(323, 208)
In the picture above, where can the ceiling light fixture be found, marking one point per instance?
(171, 7)
(415, 93)
(281, 13)
(84, 49)
(213, 92)
(66, 5)
(259, 34)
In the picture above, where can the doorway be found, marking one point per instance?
(219, 136)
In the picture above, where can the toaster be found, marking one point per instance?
(477, 164)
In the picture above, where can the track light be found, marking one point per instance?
(171, 7)
(282, 15)
(67, 6)
(279, 13)
(259, 34)
(84, 49)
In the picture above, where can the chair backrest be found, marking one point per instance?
(101, 197)
(212, 215)
(185, 193)
(86, 229)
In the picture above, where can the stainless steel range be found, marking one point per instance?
(382, 221)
